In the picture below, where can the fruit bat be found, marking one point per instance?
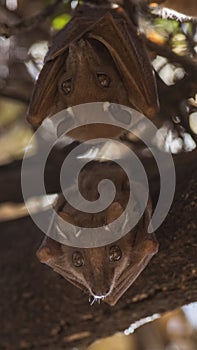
(107, 271)
(98, 56)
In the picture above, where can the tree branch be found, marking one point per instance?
(14, 95)
(10, 175)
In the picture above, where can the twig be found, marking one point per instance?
(13, 95)
(6, 30)
(167, 13)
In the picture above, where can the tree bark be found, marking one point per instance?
(39, 302)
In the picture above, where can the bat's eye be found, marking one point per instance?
(115, 253)
(66, 86)
(77, 259)
(104, 79)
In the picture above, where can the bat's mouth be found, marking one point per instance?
(96, 298)
(99, 298)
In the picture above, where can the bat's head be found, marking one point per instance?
(104, 272)
(90, 75)
(86, 74)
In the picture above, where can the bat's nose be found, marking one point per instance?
(100, 293)
(78, 49)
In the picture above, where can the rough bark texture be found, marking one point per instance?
(41, 310)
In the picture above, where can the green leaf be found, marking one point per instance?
(60, 21)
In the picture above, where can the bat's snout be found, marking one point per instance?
(100, 294)
(79, 50)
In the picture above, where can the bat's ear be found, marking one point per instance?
(48, 250)
(150, 245)
(45, 94)
(147, 214)
(113, 212)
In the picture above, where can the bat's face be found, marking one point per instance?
(86, 74)
(90, 75)
(104, 272)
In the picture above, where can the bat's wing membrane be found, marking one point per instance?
(128, 52)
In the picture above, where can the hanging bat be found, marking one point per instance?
(104, 272)
(98, 56)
